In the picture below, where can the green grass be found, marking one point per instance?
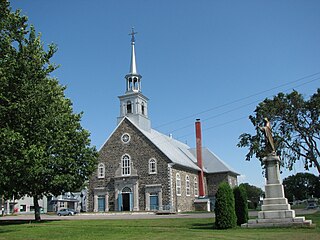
(147, 229)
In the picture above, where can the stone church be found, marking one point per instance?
(141, 169)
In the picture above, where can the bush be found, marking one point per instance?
(241, 205)
(225, 208)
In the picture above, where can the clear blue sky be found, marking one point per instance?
(194, 56)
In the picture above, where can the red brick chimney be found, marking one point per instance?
(199, 157)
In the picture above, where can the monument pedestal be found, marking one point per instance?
(275, 211)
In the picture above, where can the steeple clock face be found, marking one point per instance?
(125, 138)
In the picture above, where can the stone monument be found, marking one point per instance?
(275, 211)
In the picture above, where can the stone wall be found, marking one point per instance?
(140, 150)
(183, 202)
(214, 179)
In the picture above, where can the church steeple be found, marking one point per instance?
(133, 79)
(133, 104)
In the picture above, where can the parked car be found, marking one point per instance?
(66, 212)
(312, 206)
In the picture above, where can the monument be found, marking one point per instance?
(275, 211)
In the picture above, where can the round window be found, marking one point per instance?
(125, 138)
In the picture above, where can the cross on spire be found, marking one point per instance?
(132, 35)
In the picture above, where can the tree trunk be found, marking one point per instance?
(37, 216)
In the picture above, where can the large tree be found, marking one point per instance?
(296, 129)
(43, 147)
(301, 186)
(253, 194)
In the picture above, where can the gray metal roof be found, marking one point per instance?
(175, 150)
(212, 162)
(181, 154)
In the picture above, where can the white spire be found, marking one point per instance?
(133, 78)
(133, 65)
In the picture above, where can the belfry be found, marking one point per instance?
(133, 104)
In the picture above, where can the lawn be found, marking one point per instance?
(148, 229)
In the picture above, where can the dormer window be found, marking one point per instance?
(129, 107)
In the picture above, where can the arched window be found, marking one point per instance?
(152, 166)
(126, 190)
(142, 108)
(101, 170)
(130, 84)
(187, 185)
(178, 184)
(196, 193)
(135, 85)
(129, 107)
(126, 165)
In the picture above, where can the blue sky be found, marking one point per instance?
(207, 59)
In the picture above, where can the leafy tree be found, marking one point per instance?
(301, 186)
(225, 208)
(241, 205)
(43, 148)
(296, 129)
(253, 194)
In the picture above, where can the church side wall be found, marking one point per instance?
(214, 179)
(183, 202)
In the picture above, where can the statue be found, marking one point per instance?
(268, 136)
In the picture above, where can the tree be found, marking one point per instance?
(296, 129)
(43, 147)
(253, 194)
(225, 208)
(241, 205)
(301, 186)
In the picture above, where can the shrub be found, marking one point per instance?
(225, 208)
(241, 205)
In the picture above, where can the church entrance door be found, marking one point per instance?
(154, 202)
(101, 203)
(126, 200)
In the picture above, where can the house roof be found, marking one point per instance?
(212, 162)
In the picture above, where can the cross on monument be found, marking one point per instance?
(132, 35)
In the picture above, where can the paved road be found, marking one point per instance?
(82, 216)
(133, 215)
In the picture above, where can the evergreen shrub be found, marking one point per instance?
(241, 205)
(225, 207)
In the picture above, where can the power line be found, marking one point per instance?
(237, 100)
(234, 109)
(215, 126)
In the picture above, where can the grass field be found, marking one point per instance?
(148, 229)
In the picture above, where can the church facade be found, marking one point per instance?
(141, 169)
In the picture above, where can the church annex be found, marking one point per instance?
(141, 169)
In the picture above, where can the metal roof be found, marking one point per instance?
(181, 154)
(175, 150)
(212, 162)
